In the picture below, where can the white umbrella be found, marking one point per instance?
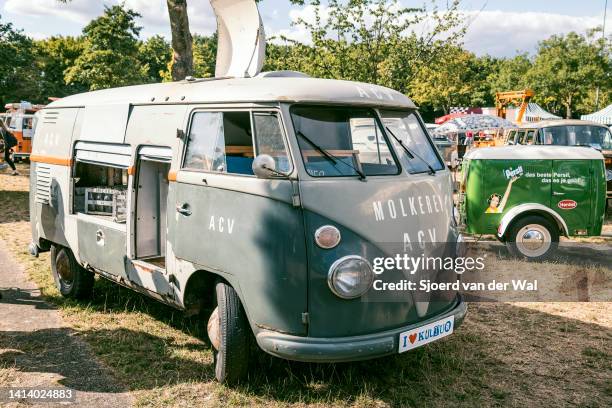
(474, 123)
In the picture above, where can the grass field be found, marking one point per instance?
(505, 354)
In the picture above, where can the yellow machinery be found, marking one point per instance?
(516, 98)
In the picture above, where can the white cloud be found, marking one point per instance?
(502, 33)
(498, 33)
(154, 13)
(80, 11)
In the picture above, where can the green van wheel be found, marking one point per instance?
(229, 333)
(71, 279)
(533, 237)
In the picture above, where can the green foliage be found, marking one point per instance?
(155, 54)
(17, 65)
(457, 79)
(568, 69)
(110, 55)
(369, 41)
(54, 57)
(510, 74)
(204, 55)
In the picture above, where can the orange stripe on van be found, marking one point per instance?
(60, 161)
(132, 170)
(172, 175)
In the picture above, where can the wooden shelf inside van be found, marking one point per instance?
(239, 150)
(338, 153)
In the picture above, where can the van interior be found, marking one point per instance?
(100, 191)
(239, 152)
(151, 204)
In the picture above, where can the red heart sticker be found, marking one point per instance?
(412, 338)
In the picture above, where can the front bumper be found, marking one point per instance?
(340, 349)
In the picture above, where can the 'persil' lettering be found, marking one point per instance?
(509, 173)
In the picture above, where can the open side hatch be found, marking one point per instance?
(242, 39)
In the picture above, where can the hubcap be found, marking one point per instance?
(63, 268)
(533, 240)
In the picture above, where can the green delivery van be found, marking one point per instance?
(528, 196)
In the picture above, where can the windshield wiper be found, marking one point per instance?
(330, 156)
(410, 153)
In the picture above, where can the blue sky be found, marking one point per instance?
(500, 28)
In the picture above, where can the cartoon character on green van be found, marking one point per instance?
(496, 202)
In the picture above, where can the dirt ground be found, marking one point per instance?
(505, 354)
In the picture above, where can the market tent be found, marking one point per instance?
(474, 123)
(604, 116)
(536, 113)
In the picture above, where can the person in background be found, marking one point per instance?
(9, 142)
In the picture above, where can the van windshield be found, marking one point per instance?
(407, 127)
(342, 141)
(595, 136)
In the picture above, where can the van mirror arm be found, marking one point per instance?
(180, 134)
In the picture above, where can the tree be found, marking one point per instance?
(155, 54)
(110, 54)
(373, 40)
(510, 74)
(54, 57)
(452, 81)
(568, 68)
(182, 42)
(17, 65)
(204, 55)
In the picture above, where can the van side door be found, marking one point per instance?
(572, 190)
(243, 228)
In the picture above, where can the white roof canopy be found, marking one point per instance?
(536, 113)
(603, 116)
(534, 153)
(242, 40)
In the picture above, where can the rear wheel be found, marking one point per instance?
(72, 280)
(229, 333)
(533, 237)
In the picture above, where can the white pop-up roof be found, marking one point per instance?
(242, 39)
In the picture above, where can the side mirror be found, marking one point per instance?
(264, 166)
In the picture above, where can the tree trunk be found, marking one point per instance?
(568, 107)
(182, 42)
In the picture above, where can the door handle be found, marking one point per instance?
(183, 209)
(556, 193)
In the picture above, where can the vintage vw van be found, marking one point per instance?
(22, 126)
(528, 196)
(568, 132)
(262, 200)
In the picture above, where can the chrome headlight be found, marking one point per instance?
(350, 277)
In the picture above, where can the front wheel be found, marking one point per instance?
(229, 333)
(72, 280)
(533, 237)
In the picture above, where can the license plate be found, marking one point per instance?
(414, 338)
